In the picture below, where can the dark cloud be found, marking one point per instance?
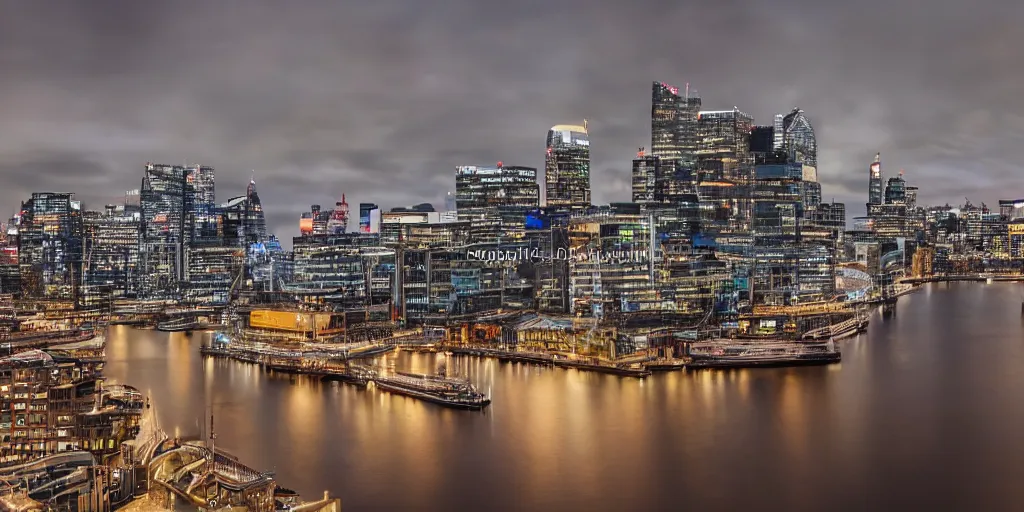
(381, 100)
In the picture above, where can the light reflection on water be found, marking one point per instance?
(923, 412)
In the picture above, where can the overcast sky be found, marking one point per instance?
(381, 99)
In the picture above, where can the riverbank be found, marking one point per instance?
(821, 435)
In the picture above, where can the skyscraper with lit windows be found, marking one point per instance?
(875, 189)
(567, 167)
(794, 134)
(674, 134)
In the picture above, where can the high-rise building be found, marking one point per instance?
(478, 188)
(794, 134)
(674, 133)
(724, 149)
(567, 167)
(831, 216)
(911, 198)
(496, 199)
(365, 210)
(896, 190)
(166, 227)
(204, 204)
(338, 223)
(10, 275)
(314, 222)
(111, 262)
(725, 170)
(242, 221)
(50, 246)
(646, 170)
(762, 140)
(875, 191)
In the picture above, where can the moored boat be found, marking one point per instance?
(178, 325)
(733, 354)
(440, 390)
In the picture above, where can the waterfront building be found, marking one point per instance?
(788, 264)
(674, 135)
(546, 230)
(567, 167)
(50, 246)
(970, 218)
(1015, 239)
(889, 220)
(428, 292)
(994, 235)
(51, 403)
(212, 272)
(611, 265)
(893, 218)
(111, 257)
(923, 262)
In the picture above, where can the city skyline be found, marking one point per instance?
(324, 116)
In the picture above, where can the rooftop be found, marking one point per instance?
(569, 128)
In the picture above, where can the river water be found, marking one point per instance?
(926, 411)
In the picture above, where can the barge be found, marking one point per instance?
(440, 390)
(621, 370)
(732, 354)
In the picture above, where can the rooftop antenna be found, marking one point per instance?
(687, 90)
(585, 126)
(878, 157)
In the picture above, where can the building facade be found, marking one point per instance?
(50, 245)
(567, 167)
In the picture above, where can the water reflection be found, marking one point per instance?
(923, 413)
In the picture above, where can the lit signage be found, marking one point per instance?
(876, 170)
(579, 255)
(1016, 229)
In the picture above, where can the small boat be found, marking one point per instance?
(178, 325)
